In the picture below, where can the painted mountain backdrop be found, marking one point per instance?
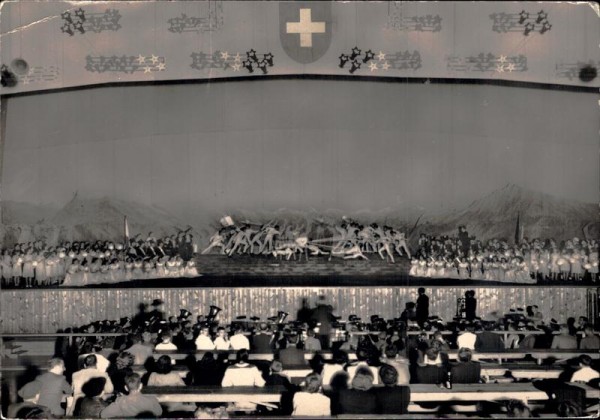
(492, 216)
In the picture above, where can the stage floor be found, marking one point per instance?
(266, 271)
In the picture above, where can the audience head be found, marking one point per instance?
(276, 366)
(431, 355)
(465, 354)
(56, 365)
(90, 361)
(133, 382)
(312, 383)
(164, 365)
(363, 379)
(166, 337)
(585, 360)
(340, 357)
(124, 360)
(516, 408)
(568, 409)
(93, 387)
(242, 356)
(388, 374)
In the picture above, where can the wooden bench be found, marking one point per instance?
(207, 394)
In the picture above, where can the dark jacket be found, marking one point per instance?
(430, 374)
(466, 372)
(392, 399)
(489, 341)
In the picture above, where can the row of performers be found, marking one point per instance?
(352, 241)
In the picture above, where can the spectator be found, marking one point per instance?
(239, 340)
(292, 355)
(166, 343)
(204, 342)
(119, 370)
(585, 373)
(568, 409)
(391, 398)
(276, 376)
(242, 373)
(312, 343)
(430, 373)
(135, 404)
(163, 375)
(438, 339)
(564, 341)
(466, 371)
(262, 342)
(207, 371)
(512, 340)
(310, 402)
(364, 360)
(29, 408)
(392, 358)
(359, 399)
(467, 338)
(141, 352)
(221, 342)
(591, 341)
(339, 360)
(518, 409)
(92, 405)
(53, 387)
(487, 340)
(88, 372)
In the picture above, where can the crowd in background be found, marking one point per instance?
(81, 263)
(465, 257)
(106, 375)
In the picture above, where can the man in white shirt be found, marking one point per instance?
(221, 342)
(239, 341)
(204, 342)
(467, 339)
(242, 373)
(585, 372)
(166, 343)
(82, 376)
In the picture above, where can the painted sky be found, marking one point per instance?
(300, 144)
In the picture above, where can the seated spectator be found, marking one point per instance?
(512, 340)
(53, 387)
(163, 375)
(221, 342)
(29, 408)
(119, 370)
(568, 409)
(591, 341)
(335, 367)
(467, 338)
(585, 373)
(263, 342)
(239, 340)
(207, 371)
(242, 373)
(134, 404)
(312, 343)
(401, 364)
(166, 343)
(431, 373)
(91, 405)
(102, 362)
(564, 340)
(276, 376)
(140, 352)
(88, 372)
(489, 341)
(359, 399)
(310, 402)
(203, 341)
(466, 371)
(518, 409)
(292, 355)
(391, 398)
(439, 340)
(365, 358)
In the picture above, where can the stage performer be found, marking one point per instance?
(470, 305)
(267, 245)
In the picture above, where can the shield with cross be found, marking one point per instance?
(305, 29)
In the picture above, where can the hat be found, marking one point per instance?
(30, 390)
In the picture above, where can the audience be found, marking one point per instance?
(358, 399)
(134, 404)
(391, 398)
(310, 402)
(564, 341)
(585, 373)
(242, 373)
(53, 387)
(432, 372)
(92, 404)
(88, 372)
(466, 371)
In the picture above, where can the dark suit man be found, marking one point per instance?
(489, 341)
(466, 371)
(262, 342)
(430, 373)
(422, 307)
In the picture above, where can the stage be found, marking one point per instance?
(267, 271)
